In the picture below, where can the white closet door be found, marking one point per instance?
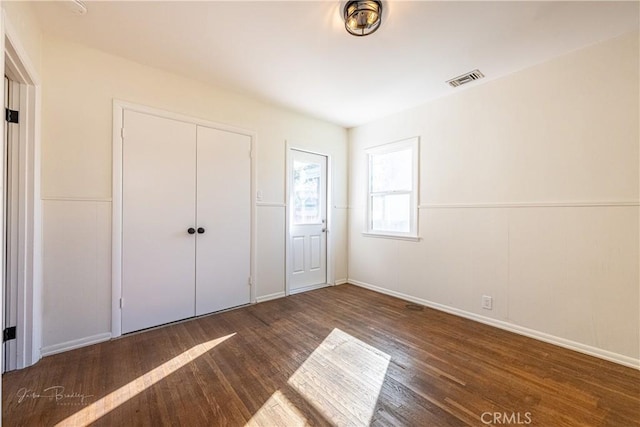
(224, 214)
(159, 196)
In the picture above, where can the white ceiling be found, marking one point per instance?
(297, 54)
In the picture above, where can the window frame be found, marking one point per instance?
(413, 144)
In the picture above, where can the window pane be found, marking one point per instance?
(391, 212)
(306, 190)
(391, 171)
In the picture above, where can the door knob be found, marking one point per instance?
(191, 230)
(200, 230)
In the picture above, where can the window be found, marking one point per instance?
(392, 206)
(306, 193)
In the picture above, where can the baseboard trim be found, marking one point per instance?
(308, 288)
(340, 282)
(521, 330)
(72, 345)
(269, 297)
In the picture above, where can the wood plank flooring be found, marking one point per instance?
(336, 356)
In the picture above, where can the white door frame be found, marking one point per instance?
(19, 68)
(329, 206)
(116, 229)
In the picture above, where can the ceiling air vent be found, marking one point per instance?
(465, 78)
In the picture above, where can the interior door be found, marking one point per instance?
(11, 224)
(5, 136)
(308, 220)
(159, 198)
(223, 255)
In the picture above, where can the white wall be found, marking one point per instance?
(24, 22)
(79, 85)
(503, 165)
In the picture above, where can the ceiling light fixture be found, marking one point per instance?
(362, 17)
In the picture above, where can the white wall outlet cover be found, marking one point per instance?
(487, 302)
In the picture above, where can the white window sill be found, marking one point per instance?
(391, 236)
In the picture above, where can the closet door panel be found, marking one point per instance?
(159, 196)
(224, 214)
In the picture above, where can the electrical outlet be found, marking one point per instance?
(487, 302)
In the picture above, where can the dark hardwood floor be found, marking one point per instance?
(335, 356)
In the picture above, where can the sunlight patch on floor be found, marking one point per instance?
(108, 403)
(278, 411)
(341, 379)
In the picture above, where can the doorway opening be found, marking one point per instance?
(21, 208)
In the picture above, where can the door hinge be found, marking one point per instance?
(11, 116)
(122, 133)
(9, 334)
(121, 302)
(249, 281)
